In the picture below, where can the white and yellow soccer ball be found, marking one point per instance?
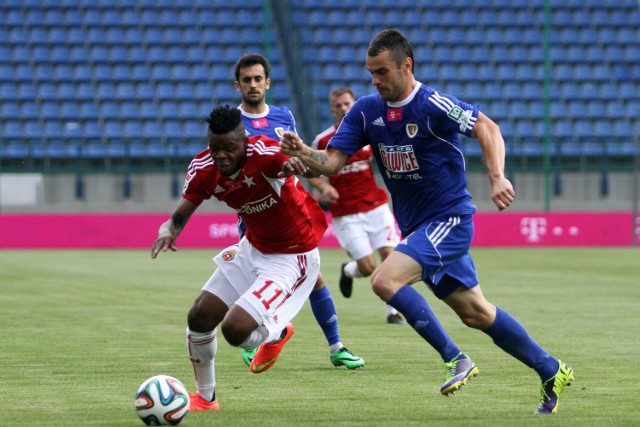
(162, 400)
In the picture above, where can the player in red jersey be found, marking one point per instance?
(362, 219)
(262, 282)
(252, 72)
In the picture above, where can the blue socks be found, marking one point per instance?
(325, 313)
(416, 310)
(509, 334)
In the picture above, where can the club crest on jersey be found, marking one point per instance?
(394, 114)
(398, 158)
(279, 131)
(260, 123)
(228, 255)
(412, 129)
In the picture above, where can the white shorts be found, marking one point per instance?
(272, 288)
(362, 233)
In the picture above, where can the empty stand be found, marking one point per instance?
(103, 79)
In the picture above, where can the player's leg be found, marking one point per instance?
(282, 285)
(202, 343)
(208, 311)
(381, 229)
(324, 311)
(353, 238)
(426, 254)
(511, 336)
(391, 281)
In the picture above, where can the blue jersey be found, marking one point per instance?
(271, 123)
(418, 151)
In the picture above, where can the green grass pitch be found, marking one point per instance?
(81, 330)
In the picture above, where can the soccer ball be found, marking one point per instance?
(162, 401)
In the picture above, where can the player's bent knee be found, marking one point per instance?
(199, 321)
(475, 319)
(382, 288)
(234, 334)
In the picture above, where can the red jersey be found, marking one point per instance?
(354, 182)
(281, 216)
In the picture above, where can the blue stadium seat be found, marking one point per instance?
(156, 149)
(94, 149)
(576, 109)
(189, 110)
(622, 129)
(168, 109)
(148, 110)
(179, 72)
(113, 129)
(52, 129)
(583, 128)
(56, 149)
(15, 149)
(20, 53)
(184, 90)
(9, 110)
(596, 109)
(49, 110)
(46, 91)
(88, 110)
(38, 35)
(151, 129)
(603, 129)
(32, 129)
(512, 90)
(11, 129)
(519, 109)
(194, 129)
(374, 18)
(127, 108)
(109, 110)
(164, 90)
(69, 110)
(132, 128)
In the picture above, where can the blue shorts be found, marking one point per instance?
(441, 247)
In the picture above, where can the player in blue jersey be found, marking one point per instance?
(260, 118)
(413, 131)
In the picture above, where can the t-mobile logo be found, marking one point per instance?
(534, 228)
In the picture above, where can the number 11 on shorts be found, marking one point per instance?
(265, 292)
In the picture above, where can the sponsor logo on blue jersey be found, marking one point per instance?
(398, 158)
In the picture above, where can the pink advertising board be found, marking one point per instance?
(135, 231)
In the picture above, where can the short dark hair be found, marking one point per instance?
(393, 41)
(249, 59)
(224, 119)
(340, 91)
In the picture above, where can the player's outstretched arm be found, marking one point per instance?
(312, 163)
(170, 229)
(492, 144)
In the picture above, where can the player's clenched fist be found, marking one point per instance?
(293, 166)
(291, 144)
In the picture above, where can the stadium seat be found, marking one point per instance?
(109, 110)
(69, 110)
(11, 129)
(49, 110)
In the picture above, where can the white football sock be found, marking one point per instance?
(351, 269)
(391, 311)
(334, 348)
(255, 338)
(202, 348)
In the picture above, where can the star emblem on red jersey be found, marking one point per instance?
(248, 181)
